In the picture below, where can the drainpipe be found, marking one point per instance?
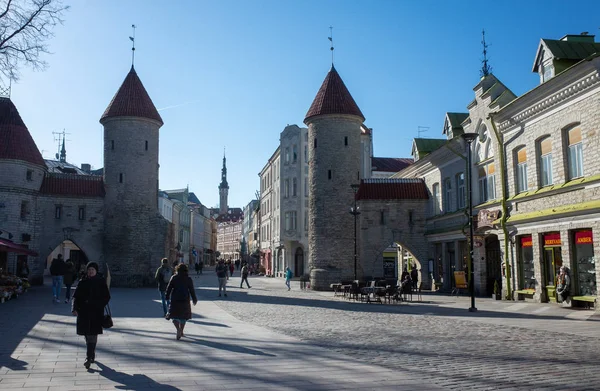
(502, 160)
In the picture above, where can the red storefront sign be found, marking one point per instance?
(552, 240)
(526, 241)
(584, 237)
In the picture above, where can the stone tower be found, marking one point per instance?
(334, 122)
(22, 171)
(135, 232)
(223, 189)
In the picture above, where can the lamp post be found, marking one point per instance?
(355, 212)
(469, 138)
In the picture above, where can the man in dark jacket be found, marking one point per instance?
(57, 270)
(89, 299)
(163, 276)
(221, 271)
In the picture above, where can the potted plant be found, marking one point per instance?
(496, 295)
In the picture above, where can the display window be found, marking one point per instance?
(526, 265)
(585, 273)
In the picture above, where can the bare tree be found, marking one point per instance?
(25, 28)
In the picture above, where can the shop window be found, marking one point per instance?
(545, 153)
(460, 190)
(585, 273)
(575, 153)
(521, 170)
(526, 264)
(487, 182)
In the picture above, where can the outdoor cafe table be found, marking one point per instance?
(372, 290)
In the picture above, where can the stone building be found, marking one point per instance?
(228, 220)
(270, 203)
(112, 219)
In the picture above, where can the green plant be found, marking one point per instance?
(496, 288)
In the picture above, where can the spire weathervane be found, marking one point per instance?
(485, 69)
(331, 40)
(132, 45)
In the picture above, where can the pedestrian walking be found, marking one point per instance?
(245, 275)
(231, 268)
(288, 277)
(89, 299)
(201, 265)
(197, 267)
(179, 292)
(163, 276)
(57, 270)
(221, 271)
(69, 278)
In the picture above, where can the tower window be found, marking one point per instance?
(24, 209)
(29, 175)
(381, 217)
(329, 174)
(58, 212)
(121, 178)
(315, 143)
(112, 145)
(146, 145)
(81, 213)
(346, 141)
(410, 217)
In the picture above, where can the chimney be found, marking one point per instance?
(86, 167)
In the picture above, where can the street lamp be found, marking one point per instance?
(469, 138)
(355, 211)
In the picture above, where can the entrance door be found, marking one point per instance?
(493, 266)
(299, 262)
(552, 264)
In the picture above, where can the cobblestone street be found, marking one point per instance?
(268, 338)
(440, 342)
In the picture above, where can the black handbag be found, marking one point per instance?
(107, 321)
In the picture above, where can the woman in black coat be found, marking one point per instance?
(89, 299)
(179, 291)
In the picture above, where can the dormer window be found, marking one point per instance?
(546, 72)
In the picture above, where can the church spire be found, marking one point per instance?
(223, 188)
(63, 152)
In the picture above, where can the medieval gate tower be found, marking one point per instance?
(333, 121)
(135, 233)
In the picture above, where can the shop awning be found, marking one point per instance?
(10, 247)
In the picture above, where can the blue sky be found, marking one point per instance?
(234, 73)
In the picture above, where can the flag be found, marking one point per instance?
(132, 40)
(329, 38)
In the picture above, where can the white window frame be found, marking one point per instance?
(575, 157)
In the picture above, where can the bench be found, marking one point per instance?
(588, 300)
(528, 292)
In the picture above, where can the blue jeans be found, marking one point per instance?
(57, 282)
(165, 302)
(287, 283)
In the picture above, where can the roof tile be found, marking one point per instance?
(392, 189)
(132, 100)
(73, 185)
(333, 98)
(16, 142)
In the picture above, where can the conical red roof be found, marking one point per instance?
(132, 100)
(333, 98)
(16, 142)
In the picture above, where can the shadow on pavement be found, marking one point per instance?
(225, 346)
(130, 382)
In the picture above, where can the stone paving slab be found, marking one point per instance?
(39, 350)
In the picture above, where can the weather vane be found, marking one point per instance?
(485, 69)
(132, 45)
(331, 40)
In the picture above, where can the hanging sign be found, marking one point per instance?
(526, 241)
(486, 218)
(552, 240)
(584, 237)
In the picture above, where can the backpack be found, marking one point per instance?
(166, 275)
